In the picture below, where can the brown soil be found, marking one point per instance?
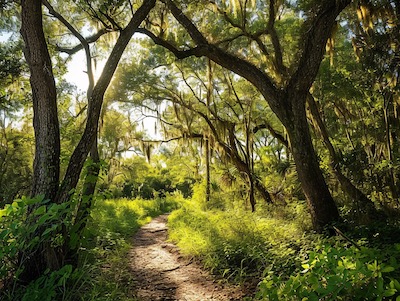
(161, 273)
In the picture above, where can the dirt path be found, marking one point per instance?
(161, 273)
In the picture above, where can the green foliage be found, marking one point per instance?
(16, 162)
(125, 216)
(25, 232)
(336, 272)
(103, 272)
(53, 285)
(136, 178)
(290, 265)
(236, 243)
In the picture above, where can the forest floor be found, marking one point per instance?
(162, 273)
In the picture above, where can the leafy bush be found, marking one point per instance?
(21, 235)
(339, 273)
(20, 231)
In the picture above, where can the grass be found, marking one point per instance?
(238, 244)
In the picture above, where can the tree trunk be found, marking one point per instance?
(45, 119)
(321, 204)
(88, 189)
(208, 178)
(47, 137)
(262, 190)
(364, 204)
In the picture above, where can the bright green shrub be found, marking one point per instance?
(338, 273)
(20, 232)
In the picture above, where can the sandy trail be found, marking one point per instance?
(161, 273)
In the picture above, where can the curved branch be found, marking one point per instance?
(274, 38)
(81, 39)
(274, 133)
(240, 66)
(91, 39)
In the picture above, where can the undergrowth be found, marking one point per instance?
(238, 244)
(103, 272)
(276, 247)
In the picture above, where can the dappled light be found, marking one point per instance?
(199, 150)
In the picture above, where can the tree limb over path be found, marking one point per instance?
(286, 97)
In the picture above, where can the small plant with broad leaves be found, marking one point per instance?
(338, 273)
(22, 233)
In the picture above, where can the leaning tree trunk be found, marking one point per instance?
(89, 188)
(322, 206)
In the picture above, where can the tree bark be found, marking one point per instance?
(88, 190)
(45, 118)
(47, 135)
(208, 176)
(364, 204)
(320, 202)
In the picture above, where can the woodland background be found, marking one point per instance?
(275, 138)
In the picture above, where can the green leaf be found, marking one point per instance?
(48, 230)
(387, 269)
(3, 212)
(389, 292)
(41, 210)
(4, 233)
(396, 284)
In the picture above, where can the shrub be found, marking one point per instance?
(338, 273)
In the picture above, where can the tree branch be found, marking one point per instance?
(89, 40)
(274, 133)
(315, 38)
(240, 66)
(84, 44)
(179, 54)
(274, 38)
